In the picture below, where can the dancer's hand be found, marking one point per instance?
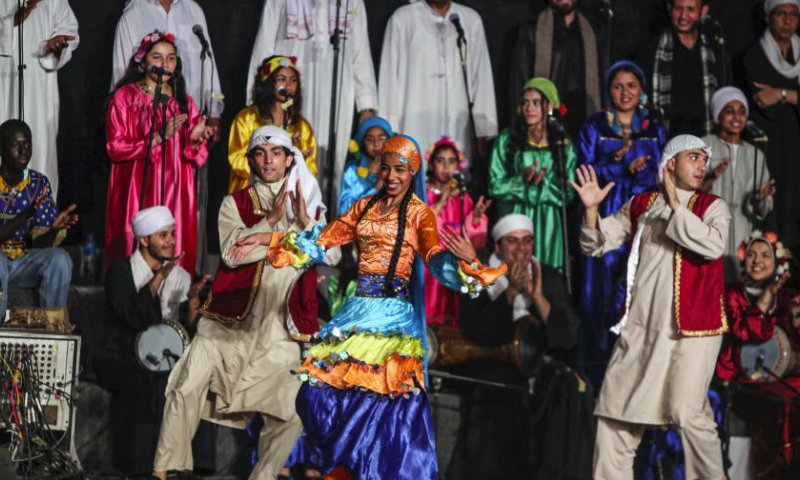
(587, 187)
(669, 190)
(299, 206)
(278, 207)
(458, 244)
(247, 244)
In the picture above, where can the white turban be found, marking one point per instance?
(150, 220)
(769, 5)
(724, 96)
(679, 144)
(510, 223)
(272, 135)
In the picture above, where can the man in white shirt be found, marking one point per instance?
(421, 87)
(50, 34)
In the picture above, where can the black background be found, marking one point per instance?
(233, 25)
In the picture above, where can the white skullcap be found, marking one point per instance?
(724, 96)
(510, 223)
(770, 5)
(150, 220)
(272, 135)
(679, 144)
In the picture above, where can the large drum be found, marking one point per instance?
(775, 354)
(161, 345)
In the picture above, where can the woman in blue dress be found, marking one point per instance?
(361, 176)
(623, 143)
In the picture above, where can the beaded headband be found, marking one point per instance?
(447, 141)
(406, 149)
(270, 66)
(151, 39)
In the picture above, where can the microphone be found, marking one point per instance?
(456, 21)
(158, 71)
(605, 6)
(757, 134)
(152, 359)
(554, 124)
(198, 31)
(282, 91)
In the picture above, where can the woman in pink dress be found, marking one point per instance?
(444, 159)
(128, 124)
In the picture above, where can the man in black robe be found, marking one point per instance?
(773, 71)
(509, 433)
(141, 291)
(684, 68)
(561, 44)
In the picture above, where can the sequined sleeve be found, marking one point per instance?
(342, 230)
(427, 233)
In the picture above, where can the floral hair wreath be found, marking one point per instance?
(782, 254)
(151, 39)
(447, 141)
(271, 65)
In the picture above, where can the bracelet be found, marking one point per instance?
(783, 95)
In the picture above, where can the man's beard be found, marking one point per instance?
(563, 9)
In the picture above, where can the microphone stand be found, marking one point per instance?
(164, 101)
(154, 119)
(560, 158)
(333, 130)
(462, 53)
(20, 65)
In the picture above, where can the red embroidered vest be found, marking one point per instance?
(234, 289)
(698, 285)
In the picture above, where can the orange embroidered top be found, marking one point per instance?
(376, 234)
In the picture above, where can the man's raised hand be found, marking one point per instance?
(587, 187)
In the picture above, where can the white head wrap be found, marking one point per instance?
(510, 223)
(679, 144)
(724, 96)
(272, 135)
(769, 5)
(150, 220)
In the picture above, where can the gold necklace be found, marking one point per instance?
(145, 88)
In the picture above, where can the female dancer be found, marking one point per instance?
(363, 401)
(128, 125)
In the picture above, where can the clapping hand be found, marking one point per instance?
(765, 301)
(765, 190)
(66, 218)
(458, 244)
(587, 187)
(247, 244)
(278, 207)
(669, 190)
(479, 210)
(620, 154)
(533, 174)
(299, 206)
(639, 164)
(200, 133)
(194, 291)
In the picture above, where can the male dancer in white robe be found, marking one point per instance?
(238, 364)
(674, 315)
(302, 28)
(50, 34)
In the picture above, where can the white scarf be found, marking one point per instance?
(300, 19)
(773, 53)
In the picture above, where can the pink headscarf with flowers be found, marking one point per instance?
(151, 39)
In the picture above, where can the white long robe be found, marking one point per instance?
(421, 87)
(655, 376)
(141, 17)
(735, 186)
(357, 86)
(48, 19)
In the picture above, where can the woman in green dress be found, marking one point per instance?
(523, 175)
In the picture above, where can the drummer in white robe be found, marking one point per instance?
(673, 319)
(239, 364)
(302, 28)
(50, 34)
(421, 88)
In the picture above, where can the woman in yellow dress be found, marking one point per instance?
(277, 100)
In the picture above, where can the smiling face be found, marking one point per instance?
(783, 21)
(515, 247)
(396, 174)
(16, 150)
(759, 262)
(287, 78)
(161, 244)
(689, 167)
(270, 162)
(533, 106)
(686, 14)
(443, 163)
(625, 90)
(733, 118)
(162, 55)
